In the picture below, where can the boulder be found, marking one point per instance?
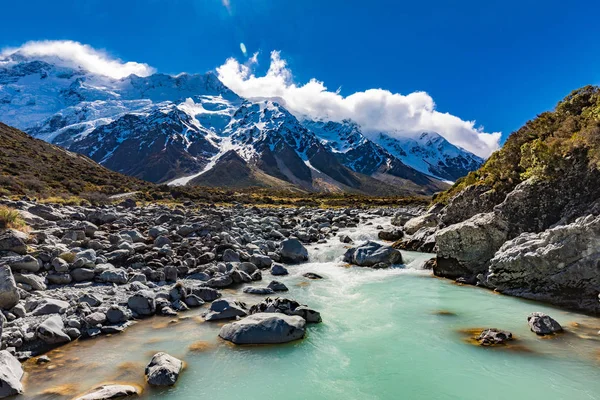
(24, 263)
(36, 282)
(312, 275)
(9, 294)
(11, 374)
(422, 221)
(391, 234)
(261, 261)
(85, 258)
(292, 251)
(114, 275)
(277, 286)
(50, 306)
(278, 269)
(464, 249)
(493, 336)
(230, 255)
(14, 241)
(371, 254)
(163, 370)
(345, 239)
(542, 324)
(264, 328)
(51, 331)
(106, 392)
(559, 265)
(258, 290)
(287, 307)
(143, 303)
(225, 309)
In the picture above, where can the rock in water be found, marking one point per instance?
(278, 269)
(106, 392)
(264, 328)
(11, 373)
(427, 220)
(9, 294)
(371, 254)
(493, 336)
(543, 324)
(292, 251)
(163, 370)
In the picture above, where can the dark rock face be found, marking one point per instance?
(264, 328)
(163, 370)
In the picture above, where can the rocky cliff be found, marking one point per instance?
(526, 224)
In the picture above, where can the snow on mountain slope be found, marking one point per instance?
(430, 153)
(176, 129)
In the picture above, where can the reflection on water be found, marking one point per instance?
(386, 334)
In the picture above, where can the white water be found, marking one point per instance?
(382, 337)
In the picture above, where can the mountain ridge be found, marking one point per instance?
(165, 128)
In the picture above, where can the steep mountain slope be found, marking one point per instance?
(33, 167)
(175, 129)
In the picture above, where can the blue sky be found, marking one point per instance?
(499, 63)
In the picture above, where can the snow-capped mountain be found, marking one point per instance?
(427, 152)
(191, 129)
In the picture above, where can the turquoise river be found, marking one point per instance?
(386, 334)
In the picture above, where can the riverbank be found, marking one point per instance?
(385, 334)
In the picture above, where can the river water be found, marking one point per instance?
(386, 334)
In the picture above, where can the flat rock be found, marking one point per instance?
(106, 392)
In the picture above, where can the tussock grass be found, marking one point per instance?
(11, 219)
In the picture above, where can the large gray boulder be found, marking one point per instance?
(225, 309)
(36, 282)
(11, 374)
(51, 331)
(143, 303)
(264, 328)
(286, 306)
(373, 254)
(9, 294)
(427, 220)
(51, 306)
(464, 249)
(13, 240)
(559, 265)
(24, 263)
(106, 392)
(292, 251)
(163, 370)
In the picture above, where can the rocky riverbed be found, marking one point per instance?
(84, 272)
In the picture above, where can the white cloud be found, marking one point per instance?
(376, 110)
(243, 49)
(76, 55)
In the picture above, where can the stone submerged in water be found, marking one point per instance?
(493, 337)
(264, 328)
(163, 370)
(371, 254)
(286, 306)
(106, 392)
(11, 374)
(542, 324)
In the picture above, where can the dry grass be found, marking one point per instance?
(11, 219)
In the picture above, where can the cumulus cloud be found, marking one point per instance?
(376, 110)
(76, 55)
